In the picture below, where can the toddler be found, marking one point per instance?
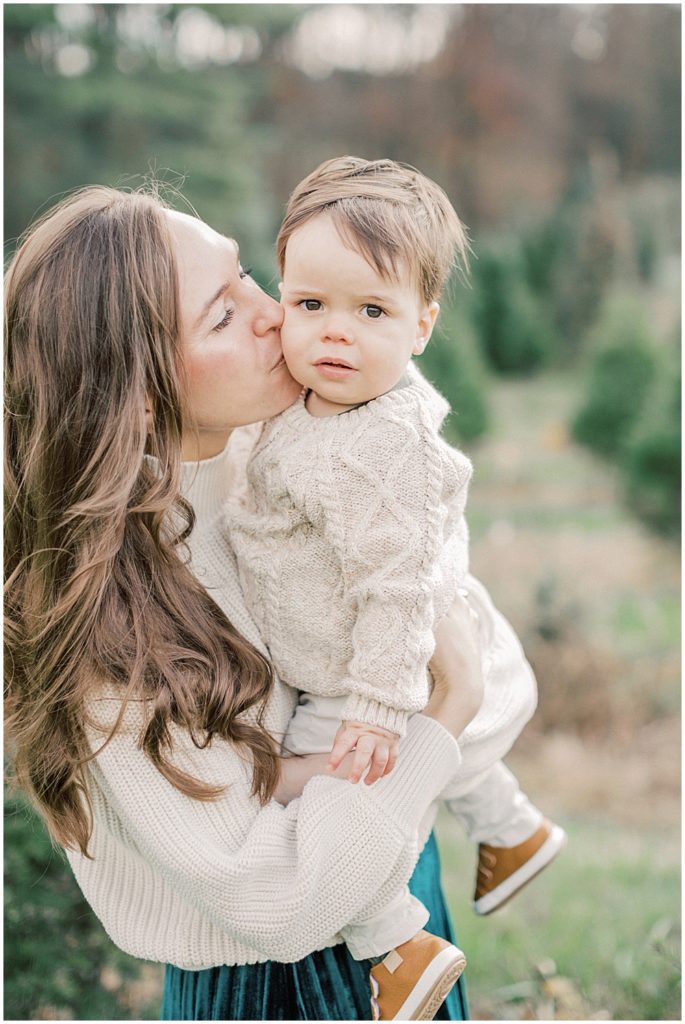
(351, 541)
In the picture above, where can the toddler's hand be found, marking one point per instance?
(372, 745)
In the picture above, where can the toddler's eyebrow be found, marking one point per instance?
(303, 289)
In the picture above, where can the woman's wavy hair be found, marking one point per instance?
(96, 587)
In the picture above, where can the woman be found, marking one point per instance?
(142, 711)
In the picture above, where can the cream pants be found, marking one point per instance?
(492, 810)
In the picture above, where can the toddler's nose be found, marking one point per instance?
(338, 329)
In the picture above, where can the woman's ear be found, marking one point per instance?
(148, 415)
(425, 327)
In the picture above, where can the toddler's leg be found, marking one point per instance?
(495, 811)
(376, 935)
(413, 970)
(515, 841)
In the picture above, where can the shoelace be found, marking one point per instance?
(491, 860)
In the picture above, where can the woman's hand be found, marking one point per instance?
(456, 669)
(297, 771)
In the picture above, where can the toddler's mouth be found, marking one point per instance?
(334, 369)
(334, 362)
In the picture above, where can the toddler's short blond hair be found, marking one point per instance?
(388, 211)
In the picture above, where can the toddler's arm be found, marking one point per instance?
(456, 670)
(383, 501)
(456, 697)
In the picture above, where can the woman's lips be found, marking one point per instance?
(334, 369)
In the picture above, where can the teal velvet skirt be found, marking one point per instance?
(328, 985)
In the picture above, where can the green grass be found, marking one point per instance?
(55, 949)
(607, 913)
(589, 519)
(642, 623)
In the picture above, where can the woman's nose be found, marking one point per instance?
(268, 315)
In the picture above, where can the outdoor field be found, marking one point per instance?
(598, 935)
(555, 131)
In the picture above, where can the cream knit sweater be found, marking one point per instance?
(229, 882)
(351, 543)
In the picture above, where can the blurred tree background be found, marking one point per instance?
(555, 129)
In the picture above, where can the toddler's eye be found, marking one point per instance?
(374, 312)
(311, 305)
(245, 272)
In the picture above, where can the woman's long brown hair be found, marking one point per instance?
(96, 589)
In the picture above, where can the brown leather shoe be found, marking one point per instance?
(413, 981)
(504, 870)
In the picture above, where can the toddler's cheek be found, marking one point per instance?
(293, 351)
(290, 339)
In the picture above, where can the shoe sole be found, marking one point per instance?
(433, 987)
(551, 847)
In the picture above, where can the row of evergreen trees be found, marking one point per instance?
(557, 296)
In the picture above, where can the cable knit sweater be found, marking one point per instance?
(351, 543)
(199, 884)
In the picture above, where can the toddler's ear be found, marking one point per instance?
(425, 327)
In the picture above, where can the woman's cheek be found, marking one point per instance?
(212, 376)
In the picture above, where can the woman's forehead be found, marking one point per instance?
(206, 262)
(190, 230)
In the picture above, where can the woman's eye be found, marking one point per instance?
(311, 305)
(225, 320)
(374, 312)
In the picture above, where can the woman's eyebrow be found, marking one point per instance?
(210, 302)
(220, 291)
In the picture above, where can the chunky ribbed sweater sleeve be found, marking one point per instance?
(277, 882)
(382, 497)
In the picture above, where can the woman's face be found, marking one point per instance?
(230, 336)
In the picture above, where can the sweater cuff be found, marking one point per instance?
(362, 709)
(429, 758)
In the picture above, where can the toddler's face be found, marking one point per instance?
(348, 333)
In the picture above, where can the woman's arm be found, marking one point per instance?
(279, 880)
(295, 773)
